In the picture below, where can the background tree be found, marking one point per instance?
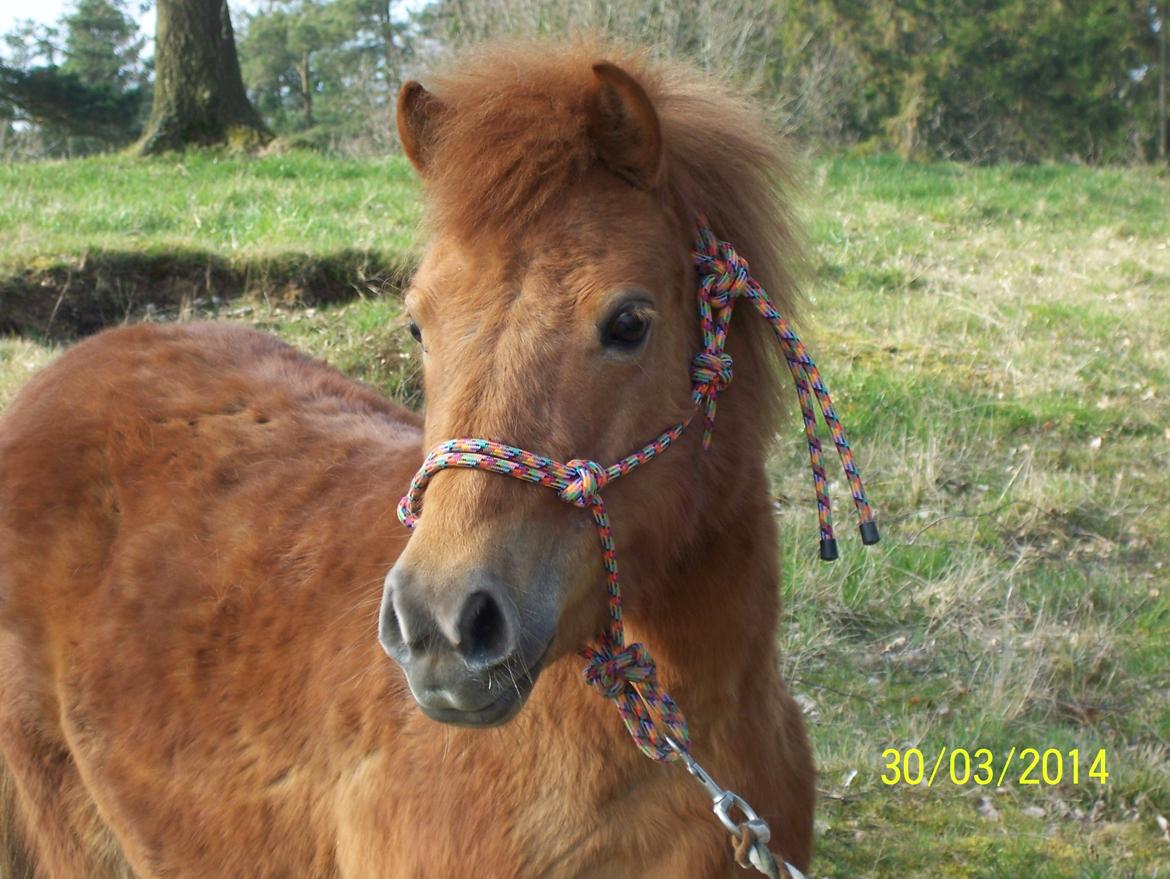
(83, 83)
(383, 38)
(1159, 21)
(973, 80)
(199, 96)
(32, 44)
(93, 115)
(285, 49)
(780, 50)
(325, 73)
(102, 44)
(989, 80)
(981, 80)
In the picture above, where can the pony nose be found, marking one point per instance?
(477, 623)
(485, 638)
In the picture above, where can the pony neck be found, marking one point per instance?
(710, 614)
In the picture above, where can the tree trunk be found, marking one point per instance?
(306, 89)
(390, 51)
(1163, 126)
(199, 97)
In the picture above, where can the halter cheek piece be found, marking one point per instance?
(626, 673)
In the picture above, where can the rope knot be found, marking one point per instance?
(711, 372)
(724, 277)
(612, 672)
(583, 489)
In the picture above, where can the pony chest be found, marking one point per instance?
(527, 814)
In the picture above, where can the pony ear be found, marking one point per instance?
(419, 115)
(624, 127)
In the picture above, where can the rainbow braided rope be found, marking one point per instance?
(724, 278)
(625, 673)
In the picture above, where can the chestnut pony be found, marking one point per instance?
(197, 525)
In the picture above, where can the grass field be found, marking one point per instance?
(998, 341)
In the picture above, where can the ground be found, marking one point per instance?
(998, 343)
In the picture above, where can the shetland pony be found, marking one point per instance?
(198, 545)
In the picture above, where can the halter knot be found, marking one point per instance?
(726, 275)
(583, 489)
(711, 372)
(612, 672)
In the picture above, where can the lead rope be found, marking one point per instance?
(623, 673)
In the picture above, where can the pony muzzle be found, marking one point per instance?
(462, 651)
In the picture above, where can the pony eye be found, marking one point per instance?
(627, 329)
(415, 332)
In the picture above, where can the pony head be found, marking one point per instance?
(556, 310)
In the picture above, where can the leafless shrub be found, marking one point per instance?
(365, 98)
(783, 54)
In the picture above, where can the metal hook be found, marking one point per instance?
(722, 802)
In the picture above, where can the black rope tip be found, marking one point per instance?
(828, 549)
(869, 533)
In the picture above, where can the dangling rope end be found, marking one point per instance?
(828, 549)
(869, 533)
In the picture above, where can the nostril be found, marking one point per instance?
(484, 638)
(390, 633)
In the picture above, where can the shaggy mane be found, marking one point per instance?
(516, 139)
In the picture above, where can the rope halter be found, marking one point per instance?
(625, 673)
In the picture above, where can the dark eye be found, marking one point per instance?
(415, 332)
(626, 329)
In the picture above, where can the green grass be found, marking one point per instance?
(229, 206)
(998, 342)
(89, 242)
(999, 339)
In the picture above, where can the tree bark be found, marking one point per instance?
(199, 97)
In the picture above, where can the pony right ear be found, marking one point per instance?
(419, 115)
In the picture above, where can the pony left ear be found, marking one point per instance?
(624, 127)
(419, 115)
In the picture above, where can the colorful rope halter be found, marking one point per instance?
(626, 673)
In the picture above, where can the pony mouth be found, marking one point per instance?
(514, 690)
(495, 713)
